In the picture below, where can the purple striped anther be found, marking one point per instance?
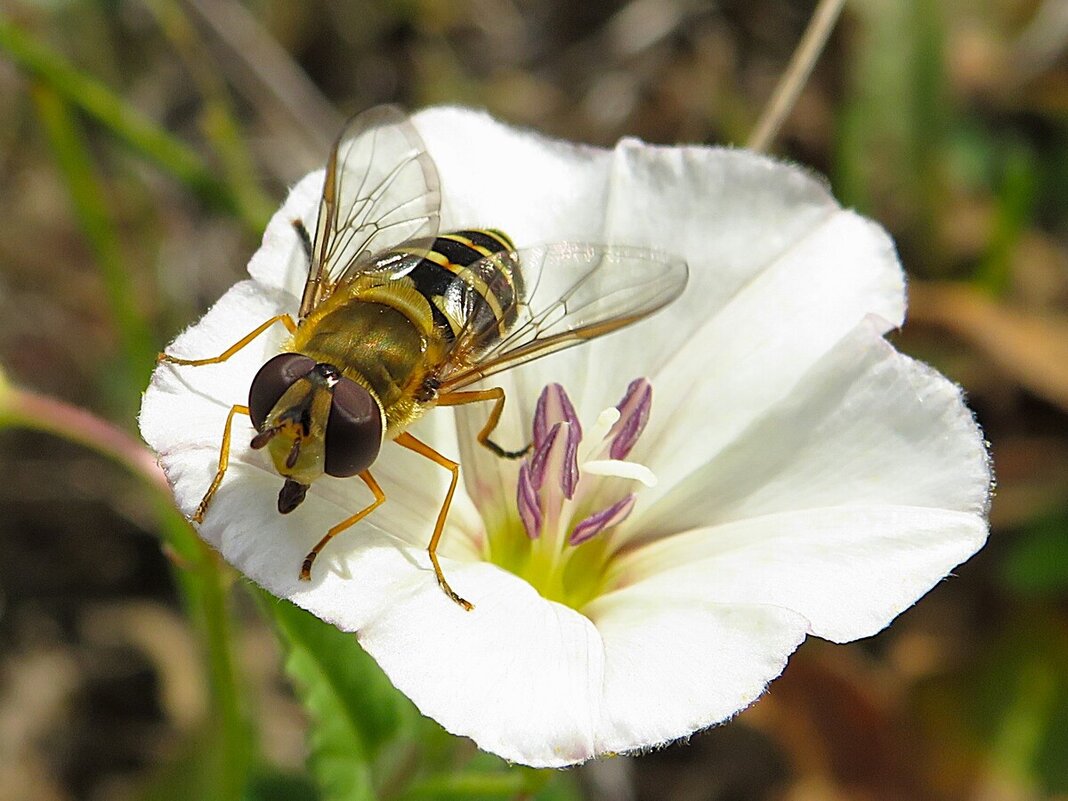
(556, 460)
(633, 415)
(554, 406)
(548, 479)
(606, 518)
(528, 502)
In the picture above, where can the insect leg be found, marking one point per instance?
(284, 319)
(305, 238)
(380, 498)
(495, 394)
(411, 443)
(224, 461)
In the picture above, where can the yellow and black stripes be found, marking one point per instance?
(468, 291)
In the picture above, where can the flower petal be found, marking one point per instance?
(538, 190)
(866, 426)
(766, 245)
(187, 406)
(534, 681)
(676, 663)
(280, 261)
(732, 215)
(754, 351)
(849, 570)
(518, 674)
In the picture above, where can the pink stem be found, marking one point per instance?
(39, 412)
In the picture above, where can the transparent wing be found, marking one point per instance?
(566, 294)
(381, 189)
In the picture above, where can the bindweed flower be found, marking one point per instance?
(752, 465)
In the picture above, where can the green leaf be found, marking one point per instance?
(358, 718)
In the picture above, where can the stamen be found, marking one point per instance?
(527, 500)
(633, 415)
(560, 488)
(554, 407)
(595, 443)
(620, 469)
(540, 457)
(557, 458)
(606, 518)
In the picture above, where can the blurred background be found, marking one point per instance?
(143, 143)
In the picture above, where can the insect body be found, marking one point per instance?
(395, 319)
(396, 334)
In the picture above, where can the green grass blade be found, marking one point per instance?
(125, 122)
(1015, 209)
(87, 195)
(218, 121)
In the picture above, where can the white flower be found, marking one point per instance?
(809, 479)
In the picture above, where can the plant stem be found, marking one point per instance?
(796, 75)
(205, 585)
(205, 590)
(22, 408)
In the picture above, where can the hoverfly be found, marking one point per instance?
(395, 319)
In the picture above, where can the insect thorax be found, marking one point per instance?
(392, 335)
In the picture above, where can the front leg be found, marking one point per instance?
(224, 461)
(284, 319)
(380, 498)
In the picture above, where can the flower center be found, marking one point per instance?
(572, 491)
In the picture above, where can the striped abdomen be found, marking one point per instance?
(484, 297)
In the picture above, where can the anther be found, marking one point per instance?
(606, 518)
(633, 415)
(556, 459)
(528, 503)
(554, 406)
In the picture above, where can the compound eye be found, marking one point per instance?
(272, 381)
(354, 430)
